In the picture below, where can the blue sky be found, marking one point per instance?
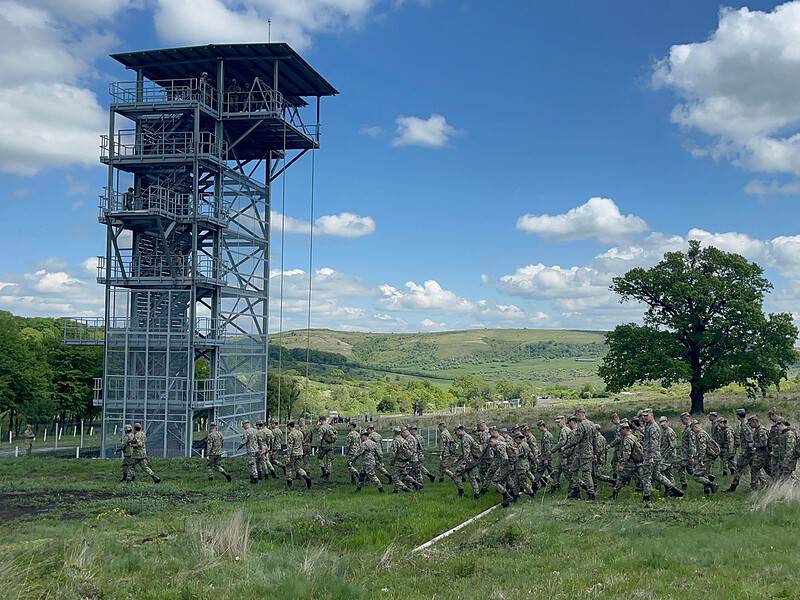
(481, 167)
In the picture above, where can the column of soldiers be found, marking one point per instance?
(644, 450)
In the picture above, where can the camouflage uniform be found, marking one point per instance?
(602, 458)
(652, 462)
(327, 440)
(701, 461)
(250, 444)
(727, 450)
(418, 461)
(773, 441)
(716, 434)
(616, 446)
(308, 440)
(501, 470)
(139, 455)
(448, 458)
(379, 466)
(791, 451)
(29, 437)
(126, 447)
(369, 453)
(264, 467)
(295, 456)
(669, 452)
(401, 454)
(214, 443)
(585, 445)
(687, 451)
(629, 463)
(565, 435)
(486, 457)
(353, 444)
(471, 455)
(543, 468)
(747, 451)
(522, 467)
(758, 478)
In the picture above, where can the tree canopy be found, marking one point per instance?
(704, 325)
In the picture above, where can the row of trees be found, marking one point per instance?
(40, 378)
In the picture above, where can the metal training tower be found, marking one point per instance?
(193, 146)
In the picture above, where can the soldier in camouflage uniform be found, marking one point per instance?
(29, 437)
(543, 468)
(700, 461)
(483, 434)
(326, 435)
(250, 445)
(448, 456)
(746, 449)
(687, 449)
(727, 447)
(501, 468)
(615, 445)
(584, 443)
(713, 426)
(562, 463)
(379, 466)
(471, 455)
(522, 468)
(789, 450)
(353, 445)
(263, 466)
(652, 462)
(758, 477)
(773, 466)
(630, 458)
(214, 443)
(295, 454)
(278, 444)
(598, 466)
(369, 453)
(418, 462)
(308, 441)
(126, 447)
(401, 454)
(669, 448)
(139, 454)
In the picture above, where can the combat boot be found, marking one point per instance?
(308, 481)
(460, 493)
(389, 478)
(592, 496)
(380, 490)
(441, 479)
(507, 500)
(615, 494)
(395, 491)
(274, 475)
(731, 489)
(431, 477)
(353, 478)
(647, 499)
(253, 479)
(260, 476)
(210, 478)
(358, 487)
(228, 477)
(418, 487)
(156, 479)
(288, 484)
(676, 493)
(707, 490)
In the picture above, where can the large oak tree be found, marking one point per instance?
(704, 325)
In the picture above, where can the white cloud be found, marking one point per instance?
(731, 241)
(55, 282)
(207, 21)
(428, 296)
(738, 87)
(433, 132)
(758, 187)
(598, 218)
(540, 281)
(431, 325)
(48, 117)
(343, 224)
(373, 131)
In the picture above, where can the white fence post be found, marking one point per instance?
(9, 436)
(81, 444)
(45, 435)
(78, 452)
(74, 431)
(16, 451)
(91, 430)
(115, 430)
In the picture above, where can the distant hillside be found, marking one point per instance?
(545, 356)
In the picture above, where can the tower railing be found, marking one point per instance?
(91, 331)
(159, 200)
(253, 101)
(206, 392)
(158, 268)
(164, 91)
(127, 143)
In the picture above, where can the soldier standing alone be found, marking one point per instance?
(126, 447)
(214, 443)
(139, 454)
(29, 437)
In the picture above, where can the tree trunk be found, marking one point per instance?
(697, 395)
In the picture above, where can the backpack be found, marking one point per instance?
(329, 435)
(637, 452)
(712, 450)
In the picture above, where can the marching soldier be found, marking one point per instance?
(702, 458)
(296, 456)
(250, 445)
(687, 449)
(264, 438)
(652, 463)
(758, 478)
(630, 458)
(727, 447)
(543, 468)
(278, 444)
(126, 447)
(214, 443)
(379, 466)
(448, 458)
(139, 454)
(669, 448)
(369, 453)
(308, 441)
(562, 464)
(418, 468)
(401, 454)
(471, 456)
(746, 449)
(584, 445)
(327, 440)
(353, 444)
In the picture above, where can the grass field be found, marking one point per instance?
(68, 529)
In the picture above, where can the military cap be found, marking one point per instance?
(541, 423)
(752, 418)
(614, 416)
(137, 425)
(519, 434)
(404, 429)
(773, 411)
(560, 417)
(492, 427)
(212, 424)
(713, 413)
(459, 426)
(740, 412)
(580, 410)
(662, 419)
(396, 430)
(365, 432)
(596, 426)
(646, 411)
(723, 420)
(412, 427)
(442, 423)
(259, 423)
(504, 430)
(370, 426)
(524, 426)
(624, 424)
(572, 418)
(128, 427)
(246, 421)
(695, 422)
(685, 414)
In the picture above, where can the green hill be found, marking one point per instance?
(544, 356)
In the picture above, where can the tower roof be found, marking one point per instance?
(244, 62)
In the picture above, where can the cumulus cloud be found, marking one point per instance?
(598, 218)
(48, 117)
(428, 296)
(433, 132)
(343, 224)
(373, 131)
(738, 87)
(541, 281)
(758, 187)
(431, 325)
(206, 21)
(55, 288)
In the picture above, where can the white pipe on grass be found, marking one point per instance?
(450, 532)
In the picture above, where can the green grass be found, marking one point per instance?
(69, 529)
